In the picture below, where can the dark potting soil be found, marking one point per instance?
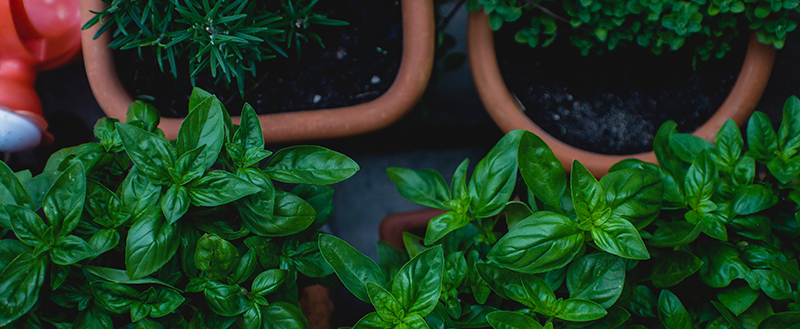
(614, 103)
(358, 64)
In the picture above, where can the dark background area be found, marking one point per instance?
(449, 125)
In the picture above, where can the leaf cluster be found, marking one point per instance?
(225, 38)
(136, 231)
(596, 26)
(700, 241)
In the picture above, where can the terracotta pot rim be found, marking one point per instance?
(412, 78)
(392, 227)
(503, 108)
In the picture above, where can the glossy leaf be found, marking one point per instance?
(721, 264)
(418, 283)
(216, 188)
(634, 195)
(789, 131)
(588, 196)
(597, 277)
(352, 267)
(150, 244)
(152, 154)
(63, 203)
(20, 283)
(701, 181)
(619, 237)
(511, 320)
(688, 147)
(203, 126)
(310, 165)
(675, 234)
(730, 144)
(215, 256)
(268, 281)
(752, 199)
(12, 192)
(761, 138)
(541, 170)
(175, 203)
(494, 177)
(671, 312)
(673, 267)
(443, 224)
(737, 298)
(70, 250)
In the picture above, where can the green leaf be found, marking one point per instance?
(425, 187)
(727, 315)
(597, 277)
(93, 318)
(150, 244)
(175, 203)
(737, 297)
(12, 192)
(372, 321)
(143, 115)
(538, 244)
(152, 154)
(675, 234)
(761, 138)
(458, 185)
(120, 276)
(29, 227)
(114, 297)
(667, 157)
(20, 283)
(721, 264)
(138, 193)
(614, 319)
(634, 195)
(788, 320)
(292, 214)
(310, 165)
(701, 181)
(671, 268)
(63, 203)
(515, 212)
(588, 197)
(216, 256)
(619, 237)
(773, 286)
(225, 300)
(282, 315)
(352, 267)
(418, 283)
(789, 132)
(541, 170)
(494, 177)
(511, 320)
(687, 146)
(784, 170)
(268, 281)
(70, 250)
(729, 143)
(257, 210)
(510, 285)
(249, 135)
(203, 126)
(219, 187)
(752, 199)
(10, 249)
(642, 302)
(247, 265)
(580, 310)
(443, 224)
(386, 305)
(161, 301)
(671, 312)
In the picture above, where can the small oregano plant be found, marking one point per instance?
(136, 231)
(701, 241)
(596, 26)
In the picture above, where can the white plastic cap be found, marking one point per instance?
(17, 133)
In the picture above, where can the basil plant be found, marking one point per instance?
(136, 231)
(701, 241)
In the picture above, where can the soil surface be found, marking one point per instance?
(358, 64)
(614, 103)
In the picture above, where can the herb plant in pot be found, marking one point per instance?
(623, 29)
(229, 26)
(139, 232)
(700, 241)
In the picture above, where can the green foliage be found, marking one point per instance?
(698, 242)
(225, 38)
(137, 231)
(596, 26)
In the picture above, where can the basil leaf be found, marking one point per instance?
(744, 172)
(256, 210)
(282, 315)
(787, 271)
(386, 305)
(666, 155)
(671, 268)
(752, 199)
(373, 321)
(587, 196)
(425, 187)
(244, 270)
(721, 264)
(268, 281)
(761, 138)
(634, 195)
(70, 249)
(63, 203)
(614, 319)
(137, 193)
(12, 192)
(216, 188)
(292, 214)
(671, 312)
(675, 234)
(10, 249)
(788, 320)
(509, 284)
(175, 203)
(143, 115)
(511, 320)
(729, 318)
(93, 318)
(204, 125)
(119, 276)
(103, 205)
(789, 132)
(413, 244)
(580, 310)
(541, 170)
(737, 297)
(114, 297)
(515, 212)
(539, 243)
(304, 164)
(772, 285)
(494, 177)
(225, 300)
(161, 301)
(729, 143)
(619, 237)
(784, 170)
(20, 283)
(216, 256)
(443, 224)
(29, 227)
(458, 185)
(642, 302)
(701, 181)
(188, 166)
(249, 135)
(418, 283)
(597, 277)
(687, 146)
(152, 154)
(320, 197)
(353, 268)
(150, 244)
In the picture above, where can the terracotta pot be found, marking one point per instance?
(506, 113)
(316, 306)
(392, 227)
(405, 92)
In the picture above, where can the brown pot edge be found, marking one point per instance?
(503, 108)
(412, 78)
(392, 227)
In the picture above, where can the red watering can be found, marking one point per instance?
(35, 35)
